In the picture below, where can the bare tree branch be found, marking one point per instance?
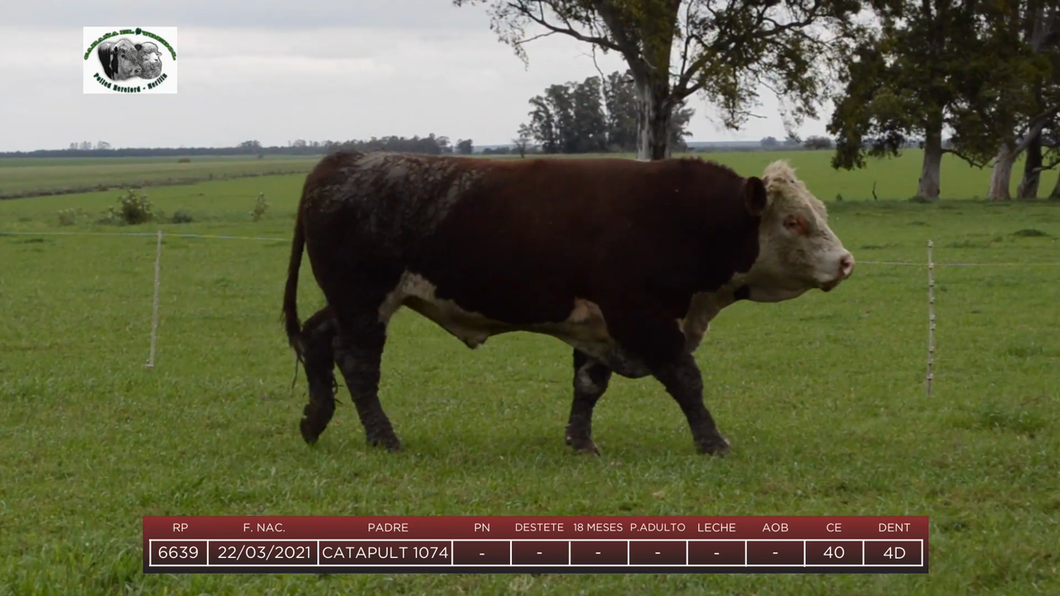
(520, 42)
(1052, 165)
(688, 39)
(1033, 129)
(599, 71)
(969, 159)
(568, 30)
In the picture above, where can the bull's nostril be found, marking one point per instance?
(846, 265)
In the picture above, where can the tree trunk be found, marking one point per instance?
(1055, 195)
(1032, 173)
(1001, 175)
(653, 119)
(930, 171)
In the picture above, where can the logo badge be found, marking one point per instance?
(130, 60)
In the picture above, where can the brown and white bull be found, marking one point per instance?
(627, 262)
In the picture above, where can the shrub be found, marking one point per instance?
(260, 207)
(68, 217)
(132, 209)
(1030, 233)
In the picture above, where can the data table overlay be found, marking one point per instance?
(518, 544)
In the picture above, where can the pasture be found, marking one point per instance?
(822, 399)
(22, 177)
(892, 178)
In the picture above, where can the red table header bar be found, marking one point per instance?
(535, 527)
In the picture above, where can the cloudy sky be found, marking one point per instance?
(279, 70)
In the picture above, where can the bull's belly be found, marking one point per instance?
(584, 329)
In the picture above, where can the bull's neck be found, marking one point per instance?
(731, 292)
(706, 305)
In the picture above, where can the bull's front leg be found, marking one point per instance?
(683, 381)
(656, 340)
(590, 382)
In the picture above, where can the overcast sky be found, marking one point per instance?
(280, 70)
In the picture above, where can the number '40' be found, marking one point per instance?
(836, 552)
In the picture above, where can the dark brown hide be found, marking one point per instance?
(519, 243)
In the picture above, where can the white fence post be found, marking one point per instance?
(931, 319)
(154, 317)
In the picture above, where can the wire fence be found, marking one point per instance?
(929, 264)
(277, 239)
(146, 235)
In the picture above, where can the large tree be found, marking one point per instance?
(1041, 30)
(590, 123)
(900, 83)
(725, 49)
(620, 101)
(543, 126)
(1008, 103)
(570, 118)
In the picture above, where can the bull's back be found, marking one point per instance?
(521, 240)
(546, 232)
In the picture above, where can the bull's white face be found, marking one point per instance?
(798, 252)
(150, 60)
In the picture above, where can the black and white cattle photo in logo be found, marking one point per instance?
(124, 59)
(134, 60)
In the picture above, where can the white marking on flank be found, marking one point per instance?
(539, 552)
(657, 552)
(597, 552)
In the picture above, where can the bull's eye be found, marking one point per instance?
(794, 224)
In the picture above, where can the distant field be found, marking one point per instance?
(894, 178)
(822, 398)
(26, 177)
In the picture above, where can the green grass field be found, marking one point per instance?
(894, 178)
(21, 177)
(822, 397)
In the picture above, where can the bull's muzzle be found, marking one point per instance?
(846, 269)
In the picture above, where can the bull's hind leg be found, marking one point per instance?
(590, 382)
(318, 334)
(358, 353)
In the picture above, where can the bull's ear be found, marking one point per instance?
(754, 196)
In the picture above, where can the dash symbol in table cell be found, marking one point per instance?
(603, 552)
(657, 552)
(770, 552)
(712, 552)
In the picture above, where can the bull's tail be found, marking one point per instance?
(290, 294)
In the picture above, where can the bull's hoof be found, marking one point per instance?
(713, 445)
(582, 444)
(588, 448)
(310, 432)
(388, 442)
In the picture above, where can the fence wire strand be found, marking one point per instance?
(276, 239)
(146, 235)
